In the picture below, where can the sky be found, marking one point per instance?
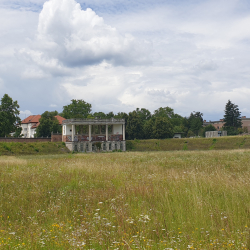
(119, 55)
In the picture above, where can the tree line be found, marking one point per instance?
(140, 123)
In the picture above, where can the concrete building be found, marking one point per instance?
(30, 124)
(88, 135)
(210, 134)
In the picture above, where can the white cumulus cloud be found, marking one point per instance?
(69, 37)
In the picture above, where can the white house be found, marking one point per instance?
(30, 124)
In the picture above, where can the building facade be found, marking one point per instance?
(219, 124)
(88, 135)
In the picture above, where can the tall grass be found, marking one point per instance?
(157, 200)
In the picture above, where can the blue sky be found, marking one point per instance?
(120, 55)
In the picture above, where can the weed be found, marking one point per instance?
(6, 146)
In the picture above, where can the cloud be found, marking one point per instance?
(24, 114)
(1, 83)
(199, 52)
(69, 37)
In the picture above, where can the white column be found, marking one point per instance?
(73, 132)
(89, 132)
(107, 132)
(123, 131)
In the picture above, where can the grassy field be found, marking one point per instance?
(132, 200)
(34, 148)
(228, 142)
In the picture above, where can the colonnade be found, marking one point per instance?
(90, 132)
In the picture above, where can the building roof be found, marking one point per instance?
(31, 119)
(60, 119)
(35, 119)
(95, 121)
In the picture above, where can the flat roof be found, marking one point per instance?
(93, 122)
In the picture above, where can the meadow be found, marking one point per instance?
(132, 200)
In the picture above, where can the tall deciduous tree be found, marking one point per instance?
(232, 117)
(195, 122)
(48, 124)
(162, 128)
(77, 109)
(9, 116)
(164, 112)
(134, 126)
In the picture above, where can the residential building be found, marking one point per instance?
(30, 124)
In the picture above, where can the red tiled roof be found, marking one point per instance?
(35, 119)
(36, 125)
(60, 119)
(31, 119)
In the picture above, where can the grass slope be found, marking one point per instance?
(132, 200)
(228, 142)
(36, 148)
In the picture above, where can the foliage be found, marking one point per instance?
(144, 114)
(178, 129)
(110, 115)
(134, 126)
(48, 124)
(209, 127)
(99, 115)
(245, 130)
(164, 112)
(77, 109)
(148, 128)
(195, 122)
(162, 128)
(9, 118)
(232, 118)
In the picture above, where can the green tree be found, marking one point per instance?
(195, 122)
(162, 128)
(9, 117)
(110, 115)
(48, 124)
(232, 118)
(77, 109)
(144, 114)
(148, 129)
(164, 112)
(99, 115)
(134, 126)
